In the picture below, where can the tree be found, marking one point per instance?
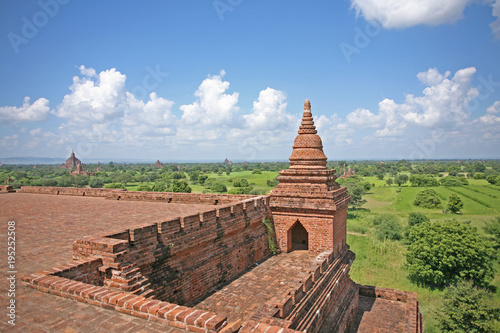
(413, 220)
(493, 179)
(193, 176)
(240, 183)
(387, 227)
(466, 308)
(180, 186)
(401, 179)
(427, 199)
(389, 181)
(453, 181)
(96, 182)
(202, 178)
(455, 203)
(273, 183)
(256, 171)
(453, 170)
(159, 187)
(144, 187)
(356, 188)
(417, 219)
(423, 181)
(218, 187)
(444, 252)
(356, 191)
(81, 180)
(479, 175)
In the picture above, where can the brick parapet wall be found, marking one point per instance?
(184, 256)
(415, 323)
(165, 313)
(326, 289)
(7, 189)
(118, 194)
(332, 292)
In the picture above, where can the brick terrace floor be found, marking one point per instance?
(46, 226)
(275, 276)
(376, 315)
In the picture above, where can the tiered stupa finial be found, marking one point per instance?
(307, 148)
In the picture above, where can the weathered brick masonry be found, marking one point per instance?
(178, 260)
(166, 271)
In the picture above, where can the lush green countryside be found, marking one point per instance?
(382, 263)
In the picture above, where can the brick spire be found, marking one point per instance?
(307, 148)
(308, 193)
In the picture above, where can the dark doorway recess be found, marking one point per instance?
(300, 237)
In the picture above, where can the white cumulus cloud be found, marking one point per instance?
(363, 118)
(153, 118)
(444, 102)
(269, 112)
(94, 98)
(490, 116)
(37, 111)
(213, 106)
(402, 14)
(409, 13)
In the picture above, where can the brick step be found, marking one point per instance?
(129, 273)
(124, 281)
(147, 293)
(140, 285)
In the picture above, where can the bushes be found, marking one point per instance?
(417, 219)
(241, 190)
(240, 182)
(455, 203)
(453, 181)
(387, 226)
(96, 182)
(427, 199)
(273, 183)
(218, 187)
(423, 181)
(115, 185)
(493, 179)
(180, 186)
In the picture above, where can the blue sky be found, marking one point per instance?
(205, 80)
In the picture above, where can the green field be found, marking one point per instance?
(257, 181)
(383, 263)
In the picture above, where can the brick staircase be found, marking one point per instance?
(129, 278)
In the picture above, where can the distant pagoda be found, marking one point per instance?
(71, 162)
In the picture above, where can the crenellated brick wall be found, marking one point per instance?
(119, 194)
(181, 259)
(415, 320)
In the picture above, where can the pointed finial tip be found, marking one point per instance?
(307, 105)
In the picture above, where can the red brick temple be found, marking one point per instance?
(188, 262)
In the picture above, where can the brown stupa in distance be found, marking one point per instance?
(309, 208)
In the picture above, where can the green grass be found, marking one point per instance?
(383, 263)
